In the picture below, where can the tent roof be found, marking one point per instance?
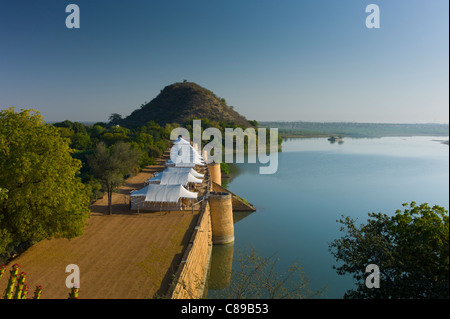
(164, 193)
(184, 154)
(175, 176)
(188, 169)
(181, 140)
(156, 178)
(169, 163)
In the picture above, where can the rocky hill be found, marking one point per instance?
(180, 103)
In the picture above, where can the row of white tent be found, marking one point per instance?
(155, 193)
(169, 186)
(183, 154)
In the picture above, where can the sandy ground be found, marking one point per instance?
(120, 256)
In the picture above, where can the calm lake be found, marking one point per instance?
(317, 182)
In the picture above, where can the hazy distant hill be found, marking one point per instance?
(181, 102)
(306, 129)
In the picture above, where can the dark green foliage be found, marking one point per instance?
(76, 127)
(410, 248)
(224, 168)
(115, 119)
(77, 134)
(80, 141)
(253, 123)
(45, 198)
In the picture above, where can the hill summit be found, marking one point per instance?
(180, 103)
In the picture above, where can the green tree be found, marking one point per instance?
(3, 194)
(253, 123)
(115, 119)
(80, 141)
(110, 165)
(76, 127)
(113, 138)
(96, 131)
(410, 248)
(65, 132)
(143, 140)
(4, 234)
(45, 198)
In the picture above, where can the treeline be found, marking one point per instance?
(149, 141)
(311, 129)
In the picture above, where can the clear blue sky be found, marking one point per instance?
(310, 60)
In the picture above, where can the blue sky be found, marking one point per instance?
(311, 60)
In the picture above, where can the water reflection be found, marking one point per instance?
(222, 260)
(238, 216)
(221, 266)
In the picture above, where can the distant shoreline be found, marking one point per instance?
(355, 130)
(349, 136)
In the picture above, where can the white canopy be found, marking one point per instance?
(182, 164)
(181, 169)
(164, 193)
(181, 140)
(155, 179)
(188, 169)
(174, 177)
(169, 163)
(184, 154)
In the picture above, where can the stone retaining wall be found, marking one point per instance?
(190, 278)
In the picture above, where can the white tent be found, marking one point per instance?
(156, 193)
(175, 176)
(188, 169)
(193, 176)
(181, 140)
(155, 179)
(184, 155)
(169, 163)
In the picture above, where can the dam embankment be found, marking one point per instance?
(215, 226)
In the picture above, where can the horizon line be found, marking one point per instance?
(290, 121)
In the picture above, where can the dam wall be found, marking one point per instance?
(190, 278)
(215, 226)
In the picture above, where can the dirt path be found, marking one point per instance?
(122, 256)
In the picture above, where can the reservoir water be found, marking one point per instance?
(317, 182)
